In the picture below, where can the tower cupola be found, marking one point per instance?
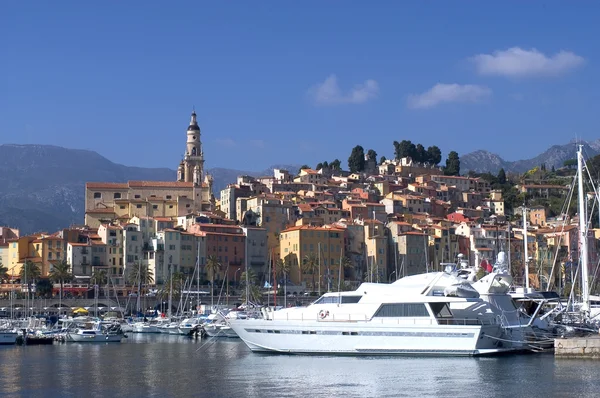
(193, 123)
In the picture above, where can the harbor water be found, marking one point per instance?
(161, 365)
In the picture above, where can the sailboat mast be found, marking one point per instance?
(583, 242)
(170, 290)
(526, 255)
(246, 269)
(198, 278)
(319, 249)
(508, 238)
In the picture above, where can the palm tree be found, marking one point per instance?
(311, 264)
(251, 277)
(282, 268)
(346, 263)
(173, 285)
(212, 266)
(141, 274)
(61, 273)
(100, 277)
(254, 292)
(29, 272)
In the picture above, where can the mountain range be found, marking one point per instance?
(483, 161)
(42, 187)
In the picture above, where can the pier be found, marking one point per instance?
(577, 347)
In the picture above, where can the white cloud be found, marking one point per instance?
(441, 93)
(225, 142)
(517, 62)
(330, 93)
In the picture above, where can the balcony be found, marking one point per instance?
(84, 250)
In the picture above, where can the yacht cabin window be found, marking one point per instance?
(441, 310)
(402, 310)
(336, 300)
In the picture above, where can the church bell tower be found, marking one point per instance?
(193, 160)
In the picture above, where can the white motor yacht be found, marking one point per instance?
(416, 315)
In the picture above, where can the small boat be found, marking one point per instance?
(113, 334)
(219, 330)
(218, 325)
(8, 336)
(37, 339)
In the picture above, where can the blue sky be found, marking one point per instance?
(281, 82)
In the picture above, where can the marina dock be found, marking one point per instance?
(577, 347)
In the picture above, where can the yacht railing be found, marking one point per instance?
(355, 318)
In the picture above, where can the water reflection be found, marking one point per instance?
(158, 365)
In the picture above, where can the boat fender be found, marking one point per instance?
(323, 314)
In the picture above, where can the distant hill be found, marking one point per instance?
(483, 161)
(42, 187)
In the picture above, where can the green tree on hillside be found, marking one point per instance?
(382, 160)
(501, 177)
(372, 155)
(434, 155)
(404, 149)
(421, 154)
(336, 165)
(452, 164)
(356, 161)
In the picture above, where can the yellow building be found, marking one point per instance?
(376, 247)
(49, 249)
(269, 212)
(112, 236)
(108, 201)
(325, 243)
(42, 249)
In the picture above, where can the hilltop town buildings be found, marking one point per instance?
(318, 230)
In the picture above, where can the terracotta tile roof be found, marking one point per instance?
(305, 207)
(162, 219)
(545, 187)
(310, 227)
(106, 185)
(109, 210)
(160, 184)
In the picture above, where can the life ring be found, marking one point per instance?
(323, 314)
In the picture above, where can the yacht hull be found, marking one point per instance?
(8, 337)
(98, 338)
(355, 339)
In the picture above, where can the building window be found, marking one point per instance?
(170, 206)
(97, 195)
(121, 207)
(117, 195)
(187, 205)
(155, 207)
(168, 196)
(138, 206)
